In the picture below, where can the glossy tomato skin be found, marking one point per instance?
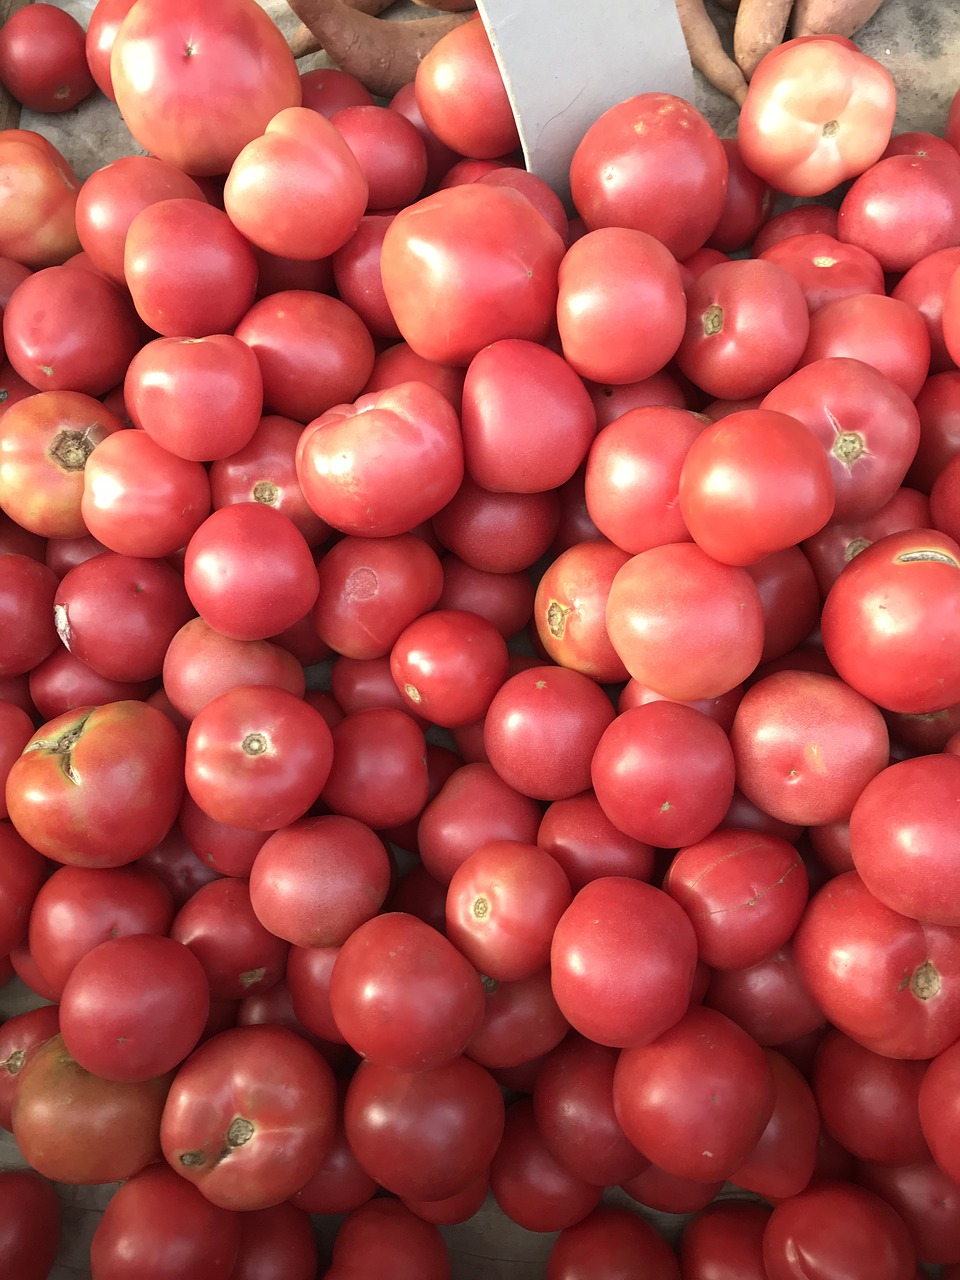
(924, 286)
(498, 532)
(22, 874)
(834, 1230)
(402, 996)
(29, 1225)
(784, 1159)
(665, 1095)
(522, 1022)
(503, 256)
(98, 786)
(909, 666)
(384, 1236)
(818, 111)
(38, 227)
(384, 464)
(20, 1038)
(249, 572)
(133, 1238)
(448, 664)
(276, 1244)
(646, 933)
(379, 771)
(826, 268)
(579, 835)
(43, 62)
(265, 1094)
(903, 209)
(570, 609)
(671, 185)
(200, 664)
(725, 1242)
(667, 1193)
(389, 150)
(424, 1136)
(27, 591)
(926, 1200)
(57, 1103)
(239, 956)
(247, 70)
(896, 992)
(880, 330)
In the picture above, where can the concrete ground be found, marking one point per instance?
(919, 42)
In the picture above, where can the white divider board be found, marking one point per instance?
(564, 63)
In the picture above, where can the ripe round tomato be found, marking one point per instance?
(384, 1237)
(498, 532)
(629, 979)
(903, 209)
(579, 835)
(195, 86)
(200, 664)
(570, 609)
(29, 1225)
(448, 664)
(38, 223)
(882, 331)
(725, 1242)
(784, 1159)
(379, 771)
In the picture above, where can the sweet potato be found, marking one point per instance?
(383, 55)
(303, 41)
(450, 6)
(832, 17)
(760, 27)
(707, 53)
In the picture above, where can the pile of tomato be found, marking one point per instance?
(480, 690)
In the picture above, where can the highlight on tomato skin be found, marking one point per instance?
(479, 686)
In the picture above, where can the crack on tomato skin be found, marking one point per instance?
(936, 557)
(63, 748)
(854, 547)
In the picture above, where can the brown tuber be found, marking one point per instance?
(707, 53)
(832, 17)
(759, 28)
(383, 55)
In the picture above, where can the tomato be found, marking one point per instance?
(784, 736)
(29, 1225)
(646, 939)
(579, 835)
(385, 464)
(102, 30)
(249, 572)
(238, 954)
(683, 624)
(878, 629)
(903, 209)
(440, 157)
(665, 1192)
(20, 1038)
(782, 1163)
(461, 95)
(389, 150)
(134, 1239)
(530, 1186)
(276, 1244)
(181, 871)
(818, 111)
(57, 1107)
(379, 771)
(826, 268)
(66, 329)
(885, 332)
(521, 1023)
(762, 462)
(199, 114)
(326, 89)
(725, 1242)
(317, 880)
(402, 996)
(746, 327)
(498, 532)
(654, 164)
(118, 614)
(38, 223)
(356, 273)
(542, 728)
(868, 1102)
(99, 786)
(925, 1198)
(424, 1135)
(200, 664)
(467, 266)
(886, 981)
(260, 1094)
(641, 785)
(570, 609)
(834, 1230)
(134, 1007)
(78, 908)
(620, 308)
(383, 1237)
(297, 190)
(339, 1185)
(448, 664)
(28, 634)
(924, 286)
(22, 873)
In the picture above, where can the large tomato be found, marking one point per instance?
(250, 1117)
(38, 217)
(99, 786)
(818, 111)
(196, 82)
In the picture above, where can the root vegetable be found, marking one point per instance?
(832, 17)
(449, 6)
(303, 41)
(383, 55)
(760, 27)
(707, 53)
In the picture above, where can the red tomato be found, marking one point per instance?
(570, 609)
(652, 163)
(200, 664)
(468, 266)
(884, 332)
(133, 1238)
(666, 1095)
(58, 1105)
(390, 151)
(818, 111)
(317, 880)
(384, 464)
(747, 205)
(101, 33)
(924, 286)
(325, 89)
(448, 665)
(825, 268)
(521, 1023)
(683, 624)
(43, 61)
(38, 222)
(28, 632)
(20, 1038)
(725, 1242)
(262, 1094)
(403, 996)
(257, 757)
(802, 220)
(379, 771)
(296, 191)
(505, 599)
(200, 114)
(665, 1192)
(903, 209)
(276, 1244)
(29, 1225)
(620, 308)
(98, 787)
(579, 835)
(782, 1163)
(926, 1199)
(383, 1237)
(645, 939)
(886, 981)
(22, 873)
(878, 629)
(837, 1231)
(498, 532)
